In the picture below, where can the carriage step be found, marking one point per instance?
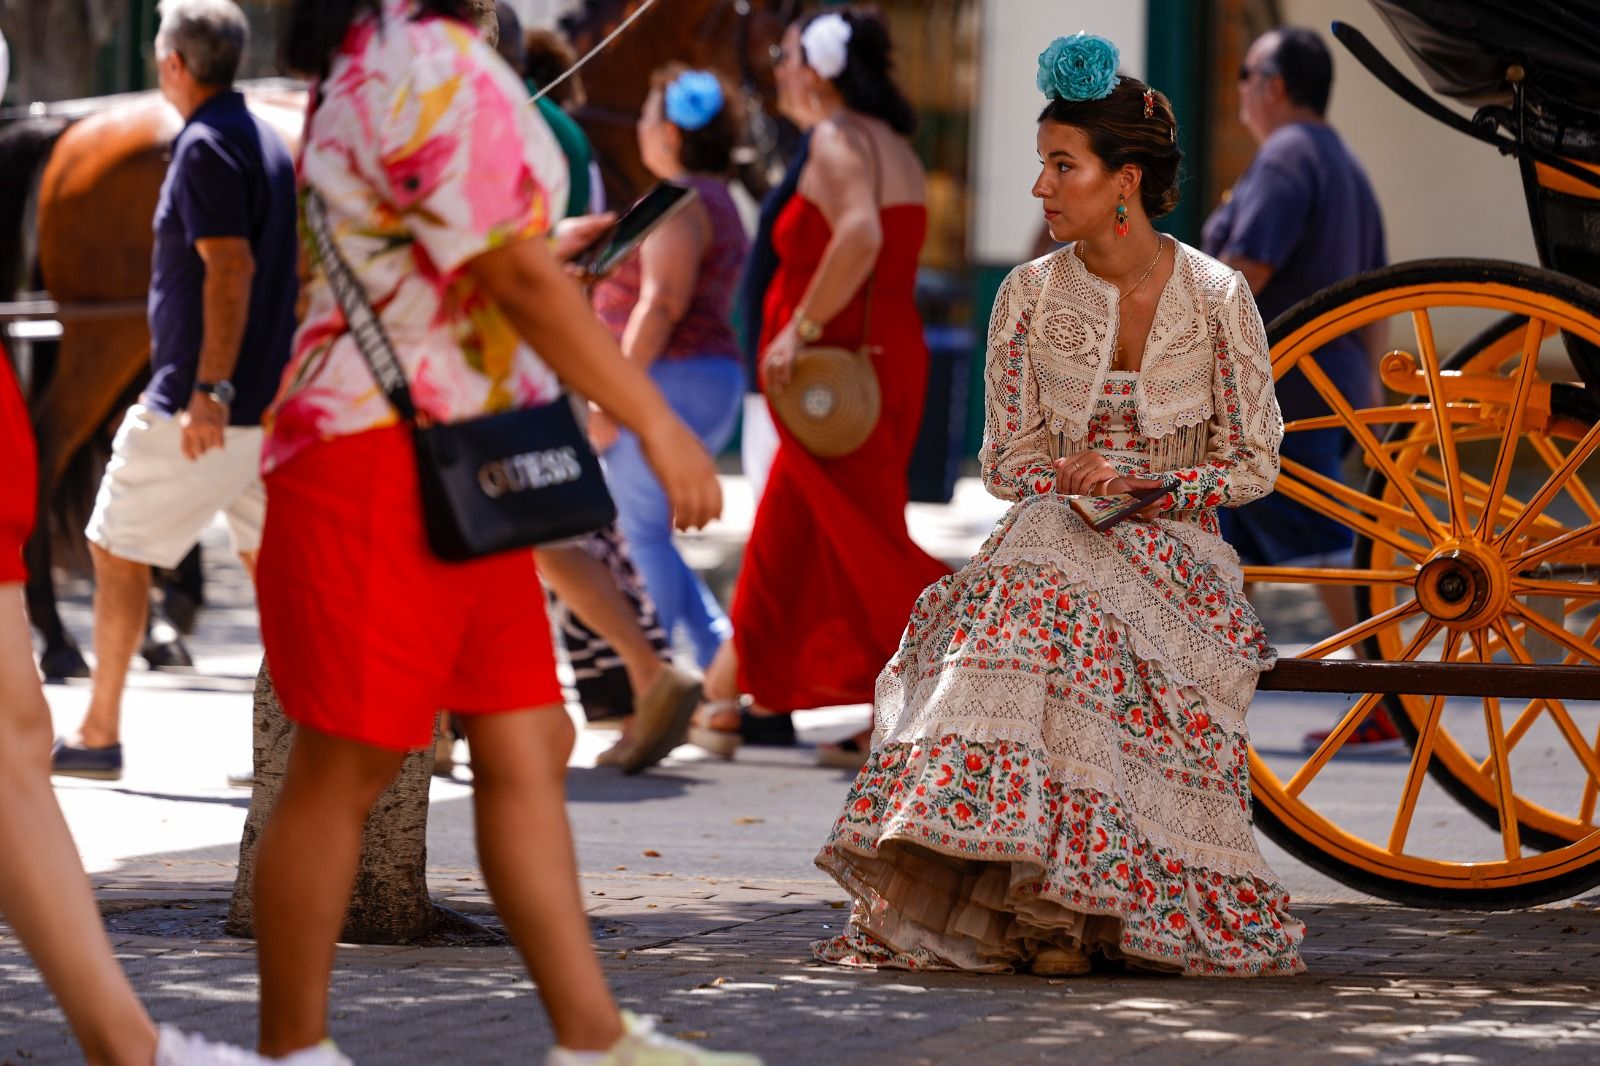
(1507, 681)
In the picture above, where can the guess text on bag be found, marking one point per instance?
(530, 470)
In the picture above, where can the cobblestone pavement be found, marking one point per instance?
(727, 962)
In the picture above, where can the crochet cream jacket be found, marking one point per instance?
(1204, 397)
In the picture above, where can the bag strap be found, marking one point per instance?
(365, 326)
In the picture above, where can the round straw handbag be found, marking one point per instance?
(832, 402)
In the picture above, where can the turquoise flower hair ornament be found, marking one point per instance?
(693, 99)
(1080, 67)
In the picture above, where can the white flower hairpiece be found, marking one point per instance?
(826, 43)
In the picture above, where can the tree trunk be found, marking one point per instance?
(390, 904)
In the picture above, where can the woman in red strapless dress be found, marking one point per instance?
(830, 573)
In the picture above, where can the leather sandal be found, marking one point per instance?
(720, 742)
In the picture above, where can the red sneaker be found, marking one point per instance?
(1374, 736)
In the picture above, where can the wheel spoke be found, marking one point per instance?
(1374, 451)
(1536, 557)
(1362, 630)
(1567, 590)
(1559, 634)
(1300, 492)
(1335, 740)
(1558, 714)
(1547, 492)
(1421, 755)
(1353, 718)
(1311, 575)
(1531, 342)
(1438, 405)
(1395, 414)
(1355, 499)
(1508, 507)
(1509, 832)
(1575, 487)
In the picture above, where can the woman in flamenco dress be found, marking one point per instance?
(1058, 777)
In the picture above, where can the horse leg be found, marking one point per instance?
(61, 658)
(97, 362)
(183, 591)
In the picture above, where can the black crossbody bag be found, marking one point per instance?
(489, 484)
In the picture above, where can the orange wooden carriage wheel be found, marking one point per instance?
(1456, 561)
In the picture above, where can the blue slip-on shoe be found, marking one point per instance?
(101, 764)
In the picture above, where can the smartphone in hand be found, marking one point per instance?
(623, 237)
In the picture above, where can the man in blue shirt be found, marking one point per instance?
(1301, 218)
(222, 316)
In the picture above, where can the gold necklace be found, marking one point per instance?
(1160, 244)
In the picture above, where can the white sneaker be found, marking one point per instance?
(641, 1045)
(174, 1047)
(177, 1048)
(324, 1054)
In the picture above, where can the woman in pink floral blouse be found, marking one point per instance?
(1058, 777)
(440, 183)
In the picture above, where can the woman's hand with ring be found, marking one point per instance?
(1085, 473)
(777, 362)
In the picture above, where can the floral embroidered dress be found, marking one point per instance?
(1060, 748)
(426, 150)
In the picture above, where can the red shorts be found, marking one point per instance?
(18, 475)
(369, 634)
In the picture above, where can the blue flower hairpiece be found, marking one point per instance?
(1080, 67)
(693, 99)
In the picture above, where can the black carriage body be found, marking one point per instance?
(1532, 69)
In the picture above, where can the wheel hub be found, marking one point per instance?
(1463, 585)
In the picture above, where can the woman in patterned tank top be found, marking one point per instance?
(670, 309)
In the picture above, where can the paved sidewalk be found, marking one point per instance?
(727, 962)
(717, 942)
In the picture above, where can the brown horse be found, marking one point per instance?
(734, 37)
(96, 196)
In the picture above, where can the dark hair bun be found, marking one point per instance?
(1120, 134)
(867, 80)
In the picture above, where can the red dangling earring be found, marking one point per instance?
(1122, 215)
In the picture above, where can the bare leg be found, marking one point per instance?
(586, 586)
(525, 845)
(722, 676)
(305, 871)
(46, 897)
(121, 601)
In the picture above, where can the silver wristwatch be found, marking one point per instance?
(221, 391)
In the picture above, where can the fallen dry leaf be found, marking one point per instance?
(621, 867)
(836, 904)
(748, 821)
(651, 853)
(693, 1034)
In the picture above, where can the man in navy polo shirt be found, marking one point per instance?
(1302, 217)
(222, 315)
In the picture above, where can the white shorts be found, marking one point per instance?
(153, 503)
